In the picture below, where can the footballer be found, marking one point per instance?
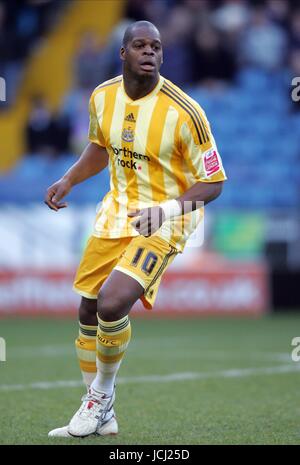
(164, 166)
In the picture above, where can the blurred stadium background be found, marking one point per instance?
(237, 58)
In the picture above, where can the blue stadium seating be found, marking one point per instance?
(257, 134)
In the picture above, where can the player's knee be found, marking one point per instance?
(111, 307)
(88, 311)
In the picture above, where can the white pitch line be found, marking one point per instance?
(42, 351)
(67, 350)
(185, 376)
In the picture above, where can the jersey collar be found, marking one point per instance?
(146, 97)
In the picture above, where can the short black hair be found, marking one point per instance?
(129, 33)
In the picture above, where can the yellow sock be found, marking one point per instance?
(86, 352)
(112, 340)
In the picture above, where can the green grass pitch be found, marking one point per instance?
(183, 381)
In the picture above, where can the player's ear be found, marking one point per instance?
(122, 53)
(161, 58)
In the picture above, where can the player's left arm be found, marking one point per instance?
(150, 220)
(199, 193)
(203, 160)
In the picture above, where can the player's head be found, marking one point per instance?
(141, 50)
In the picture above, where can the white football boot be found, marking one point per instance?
(108, 428)
(95, 416)
(95, 410)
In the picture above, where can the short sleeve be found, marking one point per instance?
(95, 134)
(199, 148)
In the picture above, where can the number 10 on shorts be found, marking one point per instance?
(149, 262)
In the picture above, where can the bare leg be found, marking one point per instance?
(88, 312)
(117, 296)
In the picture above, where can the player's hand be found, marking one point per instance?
(56, 192)
(148, 220)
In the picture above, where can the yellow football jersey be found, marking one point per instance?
(158, 146)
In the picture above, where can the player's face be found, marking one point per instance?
(143, 54)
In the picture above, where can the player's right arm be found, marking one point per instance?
(94, 159)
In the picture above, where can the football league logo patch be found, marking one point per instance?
(211, 162)
(128, 135)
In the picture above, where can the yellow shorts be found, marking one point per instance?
(143, 258)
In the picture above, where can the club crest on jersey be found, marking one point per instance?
(128, 135)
